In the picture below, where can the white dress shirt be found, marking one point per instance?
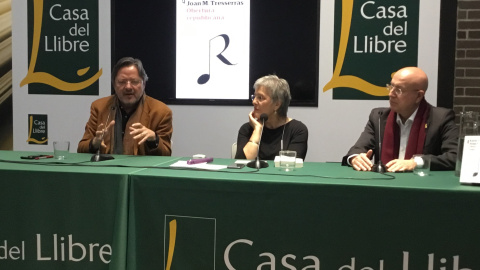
(404, 134)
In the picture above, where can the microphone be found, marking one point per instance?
(379, 167)
(257, 163)
(101, 157)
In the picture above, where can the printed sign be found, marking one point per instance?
(373, 39)
(37, 129)
(63, 47)
(212, 49)
(469, 173)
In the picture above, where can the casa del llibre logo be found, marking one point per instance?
(63, 47)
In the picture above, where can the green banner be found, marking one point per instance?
(62, 220)
(373, 39)
(63, 45)
(307, 224)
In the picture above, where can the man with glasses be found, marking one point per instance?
(409, 126)
(128, 122)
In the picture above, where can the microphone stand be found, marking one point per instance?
(379, 167)
(257, 163)
(101, 157)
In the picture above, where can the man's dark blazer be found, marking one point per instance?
(441, 137)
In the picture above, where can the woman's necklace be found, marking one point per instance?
(283, 132)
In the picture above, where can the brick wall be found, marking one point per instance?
(467, 61)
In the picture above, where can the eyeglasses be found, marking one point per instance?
(398, 91)
(132, 82)
(258, 97)
(395, 89)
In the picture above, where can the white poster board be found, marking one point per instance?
(469, 173)
(221, 52)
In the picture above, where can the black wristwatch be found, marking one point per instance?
(153, 144)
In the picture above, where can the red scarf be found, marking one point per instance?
(416, 139)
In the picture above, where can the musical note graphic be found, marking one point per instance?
(205, 77)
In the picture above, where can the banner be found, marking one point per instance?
(62, 220)
(63, 47)
(57, 71)
(267, 221)
(373, 39)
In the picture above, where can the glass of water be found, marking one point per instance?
(423, 165)
(287, 160)
(61, 149)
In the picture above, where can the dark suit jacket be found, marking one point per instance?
(440, 142)
(155, 116)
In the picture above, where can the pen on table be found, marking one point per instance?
(199, 160)
(42, 157)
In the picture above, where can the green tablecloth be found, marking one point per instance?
(57, 216)
(323, 215)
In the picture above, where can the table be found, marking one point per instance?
(323, 215)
